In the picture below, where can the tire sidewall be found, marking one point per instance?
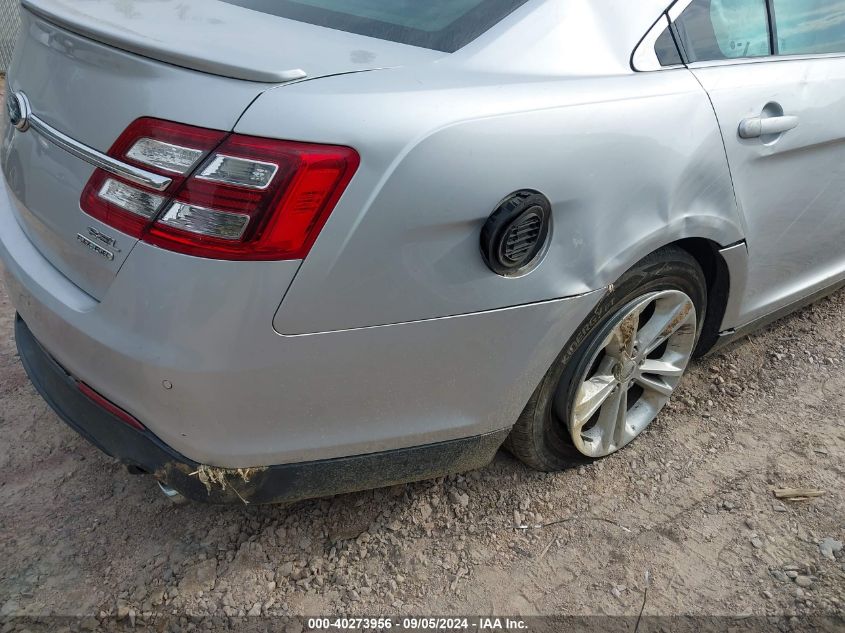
(670, 269)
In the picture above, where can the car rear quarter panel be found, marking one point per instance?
(186, 347)
(630, 162)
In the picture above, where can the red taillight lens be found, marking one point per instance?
(256, 199)
(232, 197)
(129, 207)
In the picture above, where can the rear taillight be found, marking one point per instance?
(165, 148)
(231, 196)
(254, 198)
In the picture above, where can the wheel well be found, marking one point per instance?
(706, 253)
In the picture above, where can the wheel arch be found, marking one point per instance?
(718, 274)
(724, 262)
(718, 244)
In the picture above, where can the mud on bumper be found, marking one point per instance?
(265, 484)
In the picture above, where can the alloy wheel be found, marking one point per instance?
(633, 369)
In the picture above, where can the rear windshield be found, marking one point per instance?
(443, 25)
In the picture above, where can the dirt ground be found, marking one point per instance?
(690, 503)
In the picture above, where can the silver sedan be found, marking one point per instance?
(264, 250)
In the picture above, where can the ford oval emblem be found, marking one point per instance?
(19, 111)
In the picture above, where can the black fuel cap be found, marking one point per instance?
(516, 236)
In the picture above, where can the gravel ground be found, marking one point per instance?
(691, 503)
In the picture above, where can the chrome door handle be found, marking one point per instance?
(756, 127)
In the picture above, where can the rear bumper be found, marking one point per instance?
(272, 484)
(187, 347)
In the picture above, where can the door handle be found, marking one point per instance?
(756, 127)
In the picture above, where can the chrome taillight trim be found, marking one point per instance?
(217, 161)
(108, 194)
(136, 153)
(91, 156)
(235, 223)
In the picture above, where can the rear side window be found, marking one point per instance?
(806, 27)
(725, 29)
(444, 25)
(666, 50)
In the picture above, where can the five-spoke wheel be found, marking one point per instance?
(632, 372)
(619, 369)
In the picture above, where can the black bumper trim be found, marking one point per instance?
(273, 484)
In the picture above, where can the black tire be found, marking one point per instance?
(539, 438)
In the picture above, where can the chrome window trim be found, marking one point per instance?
(644, 58)
(93, 157)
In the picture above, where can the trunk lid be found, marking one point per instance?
(225, 39)
(91, 93)
(91, 67)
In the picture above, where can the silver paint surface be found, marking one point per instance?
(222, 39)
(791, 187)
(392, 332)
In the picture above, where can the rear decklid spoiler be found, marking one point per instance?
(223, 39)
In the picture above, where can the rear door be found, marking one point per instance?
(775, 72)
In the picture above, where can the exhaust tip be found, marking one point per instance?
(174, 496)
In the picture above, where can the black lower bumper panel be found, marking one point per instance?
(272, 484)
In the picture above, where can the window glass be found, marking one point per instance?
(810, 26)
(666, 50)
(725, 29)
(444, 25)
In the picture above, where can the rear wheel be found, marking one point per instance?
(619, 369)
